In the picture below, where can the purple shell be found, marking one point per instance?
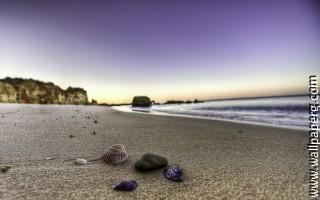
(173, 173)
(126, 186)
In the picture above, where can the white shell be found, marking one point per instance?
(81, 161)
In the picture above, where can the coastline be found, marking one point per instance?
(221, 160)
(129, 110)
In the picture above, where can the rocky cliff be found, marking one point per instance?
(18, 90)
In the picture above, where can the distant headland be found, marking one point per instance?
(19, 90)
(31, 91)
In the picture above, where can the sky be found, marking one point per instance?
(163, 49)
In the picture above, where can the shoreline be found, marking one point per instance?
(120, 108)
(208, 118)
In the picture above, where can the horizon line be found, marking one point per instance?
(223, 99)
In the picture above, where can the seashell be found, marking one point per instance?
(126, 186)
(81, 161)
(173, 173)
(115, 154)
(49, 158)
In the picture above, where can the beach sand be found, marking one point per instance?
(219, 161)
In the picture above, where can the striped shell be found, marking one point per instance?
(115, 154)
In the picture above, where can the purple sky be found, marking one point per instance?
(164, 49)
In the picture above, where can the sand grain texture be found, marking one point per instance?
(219, 161)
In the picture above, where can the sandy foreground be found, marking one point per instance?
(219, 161)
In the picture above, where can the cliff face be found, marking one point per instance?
(17, 90)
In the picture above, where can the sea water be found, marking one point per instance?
(290, 111)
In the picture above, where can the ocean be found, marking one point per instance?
(290, 111)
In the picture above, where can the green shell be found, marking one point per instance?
(150, 162)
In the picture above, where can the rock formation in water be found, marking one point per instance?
(141, 101)
(18, 90)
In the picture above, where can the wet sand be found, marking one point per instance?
(221, 160)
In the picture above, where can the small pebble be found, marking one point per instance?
(93, 132)
(71, 136)
(95, 121)
(4, 169)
